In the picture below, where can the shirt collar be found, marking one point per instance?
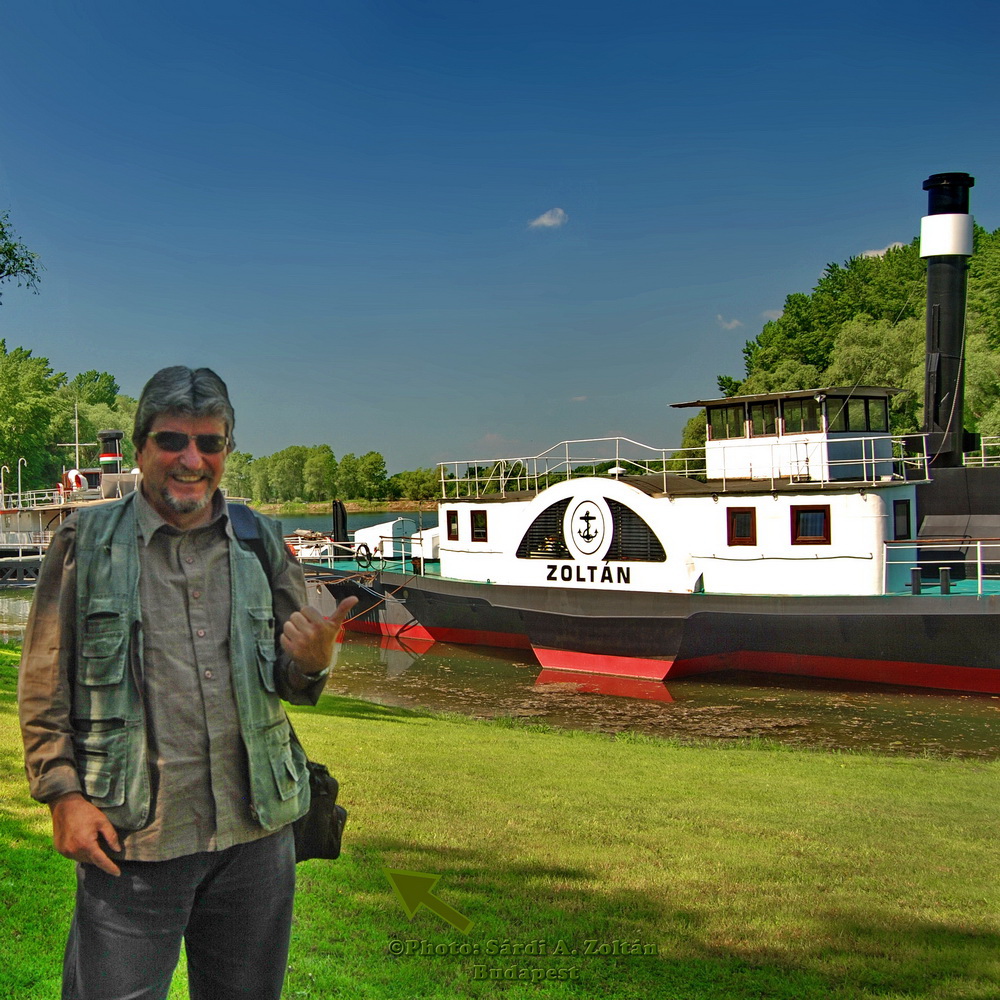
(150, 522)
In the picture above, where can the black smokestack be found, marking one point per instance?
(946, 242)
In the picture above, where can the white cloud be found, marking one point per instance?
(728, 324)
(772, 314)
(882, 252)
(552, 219)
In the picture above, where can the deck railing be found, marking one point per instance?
(867, 460)
(24, 543)
(943, 566)
(986, 455)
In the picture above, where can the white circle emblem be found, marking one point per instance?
(586, 527)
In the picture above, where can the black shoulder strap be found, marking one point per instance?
(246, 529)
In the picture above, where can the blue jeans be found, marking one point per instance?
(232, 908)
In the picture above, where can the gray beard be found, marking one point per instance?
(184, 506)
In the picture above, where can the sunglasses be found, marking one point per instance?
(207, 444)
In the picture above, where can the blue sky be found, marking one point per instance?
(331, 203)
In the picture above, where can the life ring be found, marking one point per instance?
(362, 555)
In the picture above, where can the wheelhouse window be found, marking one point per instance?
(741, 527)
(452, 525)
(857, 415)
(811, 525)
(801, 416)
(763, 419)
(479, 533)
(726, 422)
(901, 520)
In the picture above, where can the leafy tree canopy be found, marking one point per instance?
(863, 324)
(17, 262)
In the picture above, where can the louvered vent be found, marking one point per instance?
(633, 540)
(544, 539)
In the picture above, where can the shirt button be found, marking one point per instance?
(189, 560)
(208, 674)
(201, 633)
(196, 593)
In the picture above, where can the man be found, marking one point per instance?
(149, 701)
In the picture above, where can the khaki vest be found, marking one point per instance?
(108, 719)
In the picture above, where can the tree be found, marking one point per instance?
(27, 388)
(260, 480)
(349, 477)
(93, 387)
(286, 467)
(319, 474)
(374, 482)
(237, 480)
(16, 260)
(416, 484)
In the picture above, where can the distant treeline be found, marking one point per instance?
(304, 474)
(42, 413)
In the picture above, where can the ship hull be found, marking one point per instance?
(949, 643)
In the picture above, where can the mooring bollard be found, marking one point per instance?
(914, 579)
(944, 574)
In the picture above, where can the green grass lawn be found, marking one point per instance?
(682, 872)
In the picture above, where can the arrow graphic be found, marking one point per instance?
(415, 889)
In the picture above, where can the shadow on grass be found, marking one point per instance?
(623, 943)
(353, 708)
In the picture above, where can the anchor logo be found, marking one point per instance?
(586, 527)
(587, 535)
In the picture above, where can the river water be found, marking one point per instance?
(488, 683)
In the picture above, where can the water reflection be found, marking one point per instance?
(15, 604)
(486, 683)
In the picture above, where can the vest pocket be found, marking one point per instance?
(101, 762)
(286, 767)
(102, 649)
(262, 625)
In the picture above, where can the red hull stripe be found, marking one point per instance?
(601, 663)
(459, 636)
(930, 675)
(622, 687)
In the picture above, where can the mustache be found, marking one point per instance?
(180, 471)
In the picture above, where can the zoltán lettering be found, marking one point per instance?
(578, 573)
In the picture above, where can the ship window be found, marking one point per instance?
(811, 525)
(878, 415)
(452, 525)
(763, 419)
(857, 415)
(544, 539)
(901, 520)
(632, 540)
(479, 533)
(726, 422)
(802, 416)
(741, 525)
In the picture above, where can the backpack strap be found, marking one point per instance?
(246, 529)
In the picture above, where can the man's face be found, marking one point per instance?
(180, 484)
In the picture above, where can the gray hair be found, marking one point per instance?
(183, 391)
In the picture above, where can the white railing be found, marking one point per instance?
(867, 460)
(613, 456)
(32, 498)
(24, 543)
(936, 565)
(988, 454)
